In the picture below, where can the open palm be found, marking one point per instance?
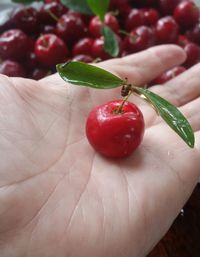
(59, 198)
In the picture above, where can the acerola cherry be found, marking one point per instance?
(70, 28)
(50, 50)
(194, 34)
(193, 54)
(170, 74)
(51, 11)
(96, 25)
(14, 44)
(39, 73)
(167, 6)
(114, 134)
(167, 30)
(134, 19)
(97, 49)
(187, 14)
(139, 39)
(12, 69)
(25, 18)
(83, 46)
(151, 16)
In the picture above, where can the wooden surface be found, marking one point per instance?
(183, 238)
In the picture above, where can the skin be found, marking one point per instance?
(60, 198)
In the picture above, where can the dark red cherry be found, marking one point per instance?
(167, 30)
(134, 19)
(12, 69)
(83, 58)
(14, 44)
(83, 46)
(193, 54)
(25, 18)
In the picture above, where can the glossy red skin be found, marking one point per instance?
(50, 50)
(98, 51)
(25, 18)
(167, 30)
(122, 6)
(151, 16)
(39, 73)
(83, 58)
(182, 40)
(139, 39)
(194, 34)
(46, 29)
(83, 46)
(187, 14)
(115, 135)
(12, 69)
(193, 54)
(170, 74)
(14, 44)
(56, 8)
(134, 19)
(70, 28)
(95, 25)
(167, 6)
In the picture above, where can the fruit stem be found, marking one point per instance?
(52, 15)
(120, 108)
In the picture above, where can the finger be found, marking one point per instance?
(142, 67)
(181, 89)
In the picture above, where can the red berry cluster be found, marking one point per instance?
(33, 40)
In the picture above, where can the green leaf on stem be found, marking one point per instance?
(78, 6)
(170, 114)
(99, 7)
(26, 1)
(83, 74)
(111, 43)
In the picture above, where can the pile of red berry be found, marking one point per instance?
(33, 40)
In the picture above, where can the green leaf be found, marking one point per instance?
(78, 5)
(83, 74)
(111, 43)
(26, 1)
(99, 7)
(171, 115)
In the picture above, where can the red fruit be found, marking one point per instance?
(139, 39)
(167, 30)
(151, 16)
(114, 134)
(82, 58)
(83, 46)
(12, 69)
(50, 50)
(39, 73)
(134, 19)
(170, 74)
(96, 25)
(193, 54)
(25, 18)
(167, 6)
(31, 61)
(70, 28)
(98, 51)
(13, 44)
(51, 9)
(122, 6)
(186, 14)
(194, 34)
(182, 40)
(144, 3)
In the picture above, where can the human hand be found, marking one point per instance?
(60, 198)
